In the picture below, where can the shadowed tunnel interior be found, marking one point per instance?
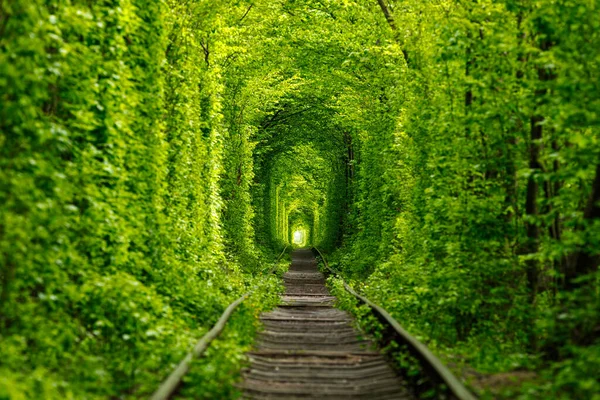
(303, 180)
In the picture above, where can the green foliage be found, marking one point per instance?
(113, 241)
(152, 153)
(440, 229)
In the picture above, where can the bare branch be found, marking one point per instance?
(390, 19)
(245, 14)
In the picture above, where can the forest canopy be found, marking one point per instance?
(156, 154)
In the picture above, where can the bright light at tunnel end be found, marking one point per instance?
(298, 237)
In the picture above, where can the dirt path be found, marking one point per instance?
(311, 350)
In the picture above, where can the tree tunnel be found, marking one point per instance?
(303, 187)
(443, 154)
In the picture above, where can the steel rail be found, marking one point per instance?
(170, 385)
(438, 368)
(278, 258)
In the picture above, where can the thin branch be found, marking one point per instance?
(206, 50)
(388, 15)
(245, 14)
(390, 19)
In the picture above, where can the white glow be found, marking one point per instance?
(298, 237)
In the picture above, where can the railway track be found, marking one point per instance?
(309, 349)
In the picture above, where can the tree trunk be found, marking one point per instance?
(586, 260)
(531, 208)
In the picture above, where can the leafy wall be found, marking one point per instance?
(475, 203)
(112, 232)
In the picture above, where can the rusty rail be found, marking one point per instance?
(440, 372)
(278, 258)
(170, 385)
